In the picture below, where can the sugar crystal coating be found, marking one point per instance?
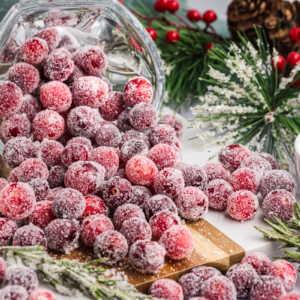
(278, 180)
(137, 90)
(109, 84)
(141, 170)
(56, 96)
(140, 194)
(11, 99)
(41, 188)
(93, 206)
(218, 192)
(89, 91)
(83, 121)
(3, 183)
(274, 163)
(107, 158)
(231, 156)
(56, 176)
(13, 292)
(112, 245)
(242, 276)
(168, 182)
(13, 176)
(62, 235)
(50, 152)
(25, 76)
(125, 212)
(192, 203)
(32, 168)
(51, 36)
(256, 163)
(29, 235)
(108, 135)
(158, 203)
(53, 193)
(162, 134)
(34, 50)
(17, 150)
(73, 153)
(42, 215)
(191, 285)
(82, 141)
(291, 296)
(76, 74)
(132, 148)
(64, 51)
(134, 135)
(7, 231)
(143, 116)
(147, 257)
(219, 287)
(280, 204)
(48, 124)
(86, 177)
(216, 170)
(242, 205)
(178, 242)
(123, 121)
(204, 273)
(259, 261)
(166, 289)
(16, 126)
(284, 271)
(22, 276)
(174, 122)
(30, 107)
(17, 200)
(94, 225)
(113, 106)
(135, 229)
(267, 287)
(68, 204)
(40, 294)
(3, 268)
(164, 156)
(245, 179)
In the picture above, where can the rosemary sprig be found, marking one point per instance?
(88, 278)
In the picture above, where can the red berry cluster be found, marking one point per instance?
(166, 5)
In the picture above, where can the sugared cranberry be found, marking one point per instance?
(16, 126)
(245, 179)
(94, 225)
(82, 141)
(162, 134)
(74, 153)
(231, 156)
(166, 289)
(204, 273)
(178, 242)
(143, 116)
(39, 294)
(191, 285)
(30, 107)
(13, 176)
(109, 84)
(42, 215)
(108, 135)
(284, 271)
(291, 296)
(274, 163)
(14, 292)
(83, 121)
(192, 203)
(41, 188)
(86, 177)
(132, 148)
(3, 268)
(259, 261)
(218, 192)
(134, 135)
(123, 121)
(159, 203)
(3, 183)
(17, 200)
(50, 152)
(280, 204)
(164, 156)
(76, 74)
(53, 193)
(267, 287)
(32, 168)
(174, 122)
(257, 163)
(94, 205)
(25, 76)
(11, 98)
(63, 51)
(56, 176)
(140, 194)
(173, 6)
(112, 108)
(242, 205)
(51, 36)
(141, 170)
(168, 182)
(111, 245)
(137, 90)
(277, 180)
(147, 257)
(48, 124)
(34, 50)
(8, 229)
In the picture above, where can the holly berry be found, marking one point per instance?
(209, 16)
(163, 4)
(173, 6)
(294, 34)
(194, 15)
(152, 33)
(293, 59)
(280, 64)
(158, 8)
(209, 46)
(172, 36)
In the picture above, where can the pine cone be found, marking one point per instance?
(297, 5)
(242, 14)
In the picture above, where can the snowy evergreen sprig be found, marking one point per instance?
(254, 105)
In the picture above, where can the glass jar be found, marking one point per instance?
(105, 23)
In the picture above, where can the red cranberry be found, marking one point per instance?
(8, 229)
(259, 261)
(291, 296)
(108, 135)
(94, 206)
(132, 148)
(32, 168)
(166, 289)
(63, 51)
(174, 122)
(140, 194)
(62, 235)
(51, 36)
(194, 15)
(162, 134)
(76, 74)
(34, 50)
(74, 153)
(164, 156)
(143, 116)
(158, 8)
(172, 36)
(31, 106)
(245, 179)
(14, 292)
(123, 121)
(50, 152)
(39, 294)
(3, 183)
(242, 205)
(191, 285)
(209, 16)
(111, 245)
(173, 6)
(16, 126)
(53, 193)
(204, 273)
(137, 90)
(113, 107)
(25, 76)
(82, 141)
(134, 135)
(152, 32)
(147, 257)
(56, 176)
(274, 163)
(280, 64)
(257, 163)
(41, 189)
(293, 59)
(109, 84)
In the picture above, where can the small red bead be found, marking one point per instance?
(152, 32)
(158, 8)
(194, 15)
(172, 36)
(295, 34)
(293, 59)
(280, 64)
(209, 46)
(173, 6)
(163, 4)
(209, 16)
